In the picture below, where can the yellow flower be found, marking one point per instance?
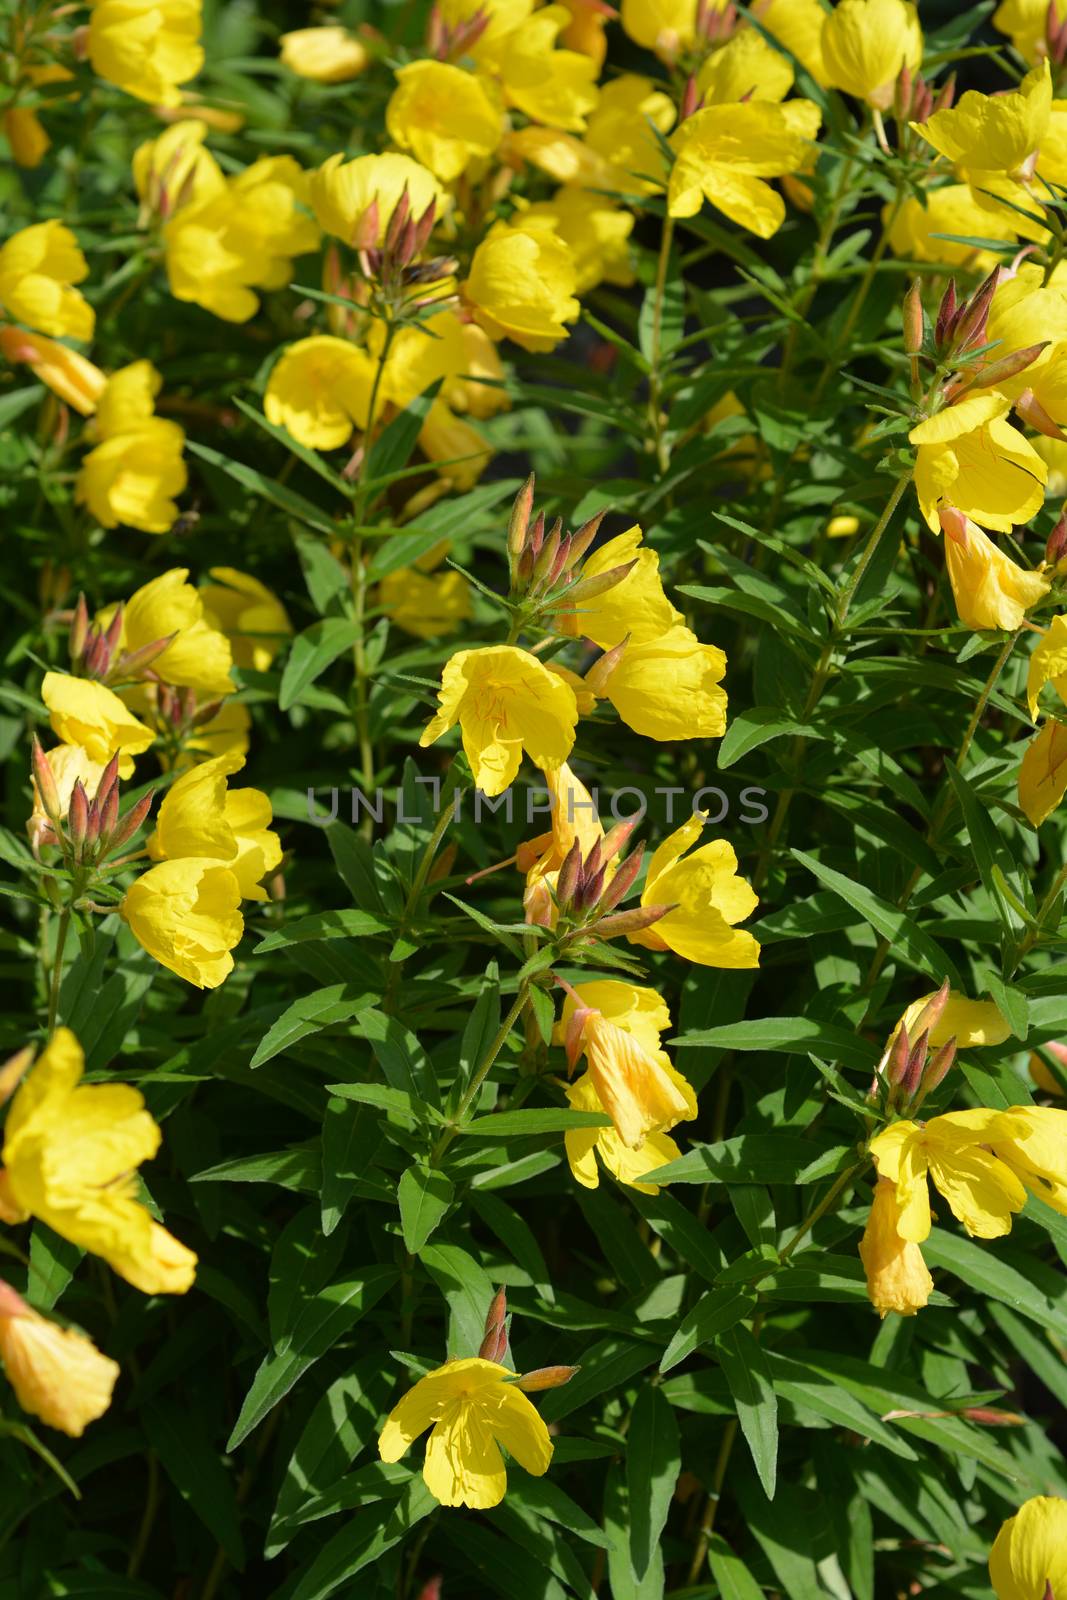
(1043, 773)
(865, 43)
(916, 229)
(1029, 1557)
(522, 283)
(444, 116)
(185, 914)
(561, 155)
(897, 1276)
(199, 657)
(134, 472)
(75, 380)
(426, 605)
(970, 457)
(620, 135)
(635, 1083)
(341, 191)
(458, 449)
(57, 1374)
(970, 1022)
(990, 590)
(88, 714)
(175, 170)
(798, 25)
(586, 31)
(745, 67)
(636, 607)
(630, 1006)
(574, 817)
(665, 26)
(505, 701)
(146, 47)
(551, 86)
(21, 124)
(666, 688)
(1026, 21)
(240, 239)
(71, 1153)
(1048, 664)
(596, 232)
(199, 816)
(326, 55)
(320, 390)
(474, 1406)
(625, 1164)
(1052, 156)
(39, 267)
(707, 896)
(726, 152)
(1031, 1141)
(988, 133)
(981, 1190)
(1026, 311)
(252, 618)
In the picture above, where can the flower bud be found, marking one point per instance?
(127, 826)
(933, 1010)
(946, 313)
(569, 875)
(1029, 409)
(590, 588)
(365, 236)
(1007, 367)
(914, 321)
(14, 1070)
(519, 520)
(1056, 548)
(623, 881)
(78, 815)
(79, 629)
(635, 921)
(897, 1064)
(939, 1068)
(597, 677)
(545, 1378)
(133, 663)
(394, 231)
(953, 524)
(45, 780)
(495, 1341)
(584, 537)
(970, 323)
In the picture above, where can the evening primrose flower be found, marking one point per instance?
(549, 85)
(982, 1191)
(77, 382)
(898, 1278)
(175, 169)
(1043, 773)
(990, 590)
(746, 67)
(522, 284)
(199, 656)
(972, 1023)
(443, 116)
(621, 134)
(505, 701)
(185, 914)
(341, 192)
(665, 26)
(21, 125)
(71, 1152)
(57, 1373)
(970, 457)
(320, 390)
(638, 1087)
(798, 25)
(1032, 1141)
(866, 43)
(574, 818)
(1048, 664)
(725, 153)
(474, 1406)
(665, 688)
(201, 816)
(325, 55)
(636, 608)
(706, 898)
(424, 602)
(133, 474)
(1028, 1561)
(90, 715)
(627, 1165)
(146, 47)
(917, 228)
(596, 232)
(250, 615)
(990, 134)
(39, 267)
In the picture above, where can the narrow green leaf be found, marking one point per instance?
(749, 1377)
(424, 1195)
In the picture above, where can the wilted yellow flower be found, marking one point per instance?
(916, 229)
(175, 170)
(199, 657)
(865, 43)
(626, 1164)
(549, 85)
(146, 47)
(83, 712)
(596, 232)
(320, 390)
(342, 191)
(71, 1153)
(667, 687)
(522, 283)
(725, 153)
(1048, 664)
(326, 55)
(425, 604)
(745, 67)
(988, 133)
(1029, 1557)
(1043, 773)
(200, 816)
(707, 898)
(185, 914)
(574, 817)
(75, 380)
(953, 1151)
(638, 1087)
(474, 1406)
(798, 24)
(39, 267)
(57, 1374)
(505, 701)
(620, 135)
(897, 1276)
(444, 116)
(248, 613)
(971, 458)
(134, 472)
(990, 590)
(637, 607)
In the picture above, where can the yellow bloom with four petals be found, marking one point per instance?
(39, 267)
(444, 116)
(665, 688)
(522, 284)
(726, 153)
(898, 1278)
(707, 897)
(146, 47)
(186, 914)
(320, 390)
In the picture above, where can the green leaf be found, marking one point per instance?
(363, 1540)
(653, 1462)
(910, 943)
(467, 1290)
(607, 1366)
(757, 726)
(799, 1036)
(733, 1578)
(552, 1119)
(714, 1313)
(53, 1262)
(311, 653)
(181, 1439)
(749, 1377)
(350, 1140)
(424, 1195)
(391, 450)
(754, 1158)
(278, 494)
(310, 1014)
(323, 925)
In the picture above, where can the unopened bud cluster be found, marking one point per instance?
(95, 651)
(494, 1347)
(392, 271)
(545, 562)
(912, 1072)
(89, 830)
(451, 42)
(587, 892)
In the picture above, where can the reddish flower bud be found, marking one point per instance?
(44, 778)
(939, 1067)
(367, 228)
(584, 537)
(78, 815)
(545, 1378)
(519, 520)
(569, 875)
(127, 826)
(897, 1064)
(1030, 410)
(635, 921)
(623, 881)
(1056, 548)
(79, 629)
(914, 321)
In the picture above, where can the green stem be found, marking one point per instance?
(57, 970)
(655, 385)
(482, 1072)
